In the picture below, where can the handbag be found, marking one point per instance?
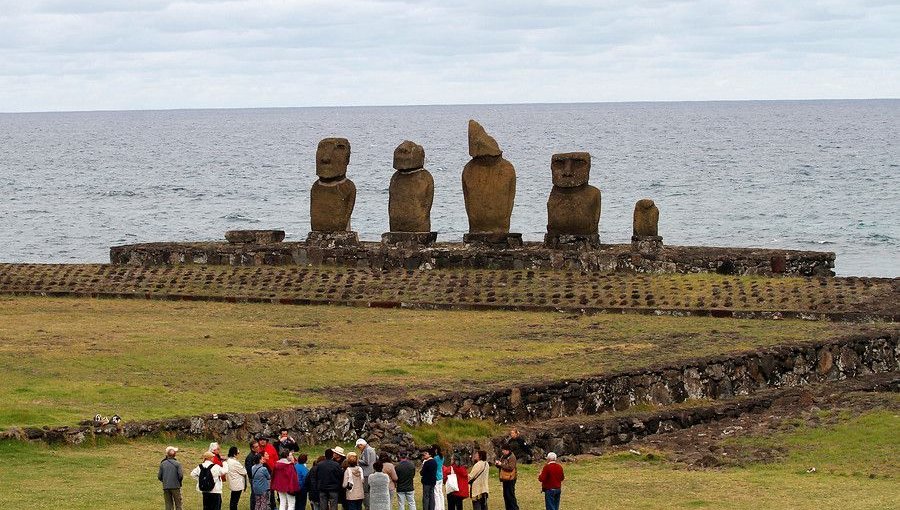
(507, 476)
(451, 484)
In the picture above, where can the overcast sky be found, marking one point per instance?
(146, 54)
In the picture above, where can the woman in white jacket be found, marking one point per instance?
(212, 498)
(237, 477)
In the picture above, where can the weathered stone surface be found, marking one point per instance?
(574, 211)
(332, 240)
(498, 240)
(573, 208)
(646, 218)
(489, 184)
(332, 158)
(254, 236)
(481, 143)
(570, 169)
(648, 246)
(331, 205)
(572, 241)
(409, 156)
(409, 239)
(411, 191)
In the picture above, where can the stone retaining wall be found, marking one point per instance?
(720, 377)
(610, 257)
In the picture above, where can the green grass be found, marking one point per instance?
(452, 430)
(65, 359)
(123, 475)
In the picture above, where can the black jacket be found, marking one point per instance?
(329, 476)
(312, 482)
(251, 460)
(429, 473)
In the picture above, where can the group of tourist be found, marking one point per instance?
(277, 476)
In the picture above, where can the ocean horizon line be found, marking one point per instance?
(431, 105)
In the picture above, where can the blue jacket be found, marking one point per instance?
(302, 471)
(259, 479)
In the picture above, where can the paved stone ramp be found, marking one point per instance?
(716, 295)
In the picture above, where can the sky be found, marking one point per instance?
(58, 55)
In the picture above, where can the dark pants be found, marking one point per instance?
(172, 497)
(235, 498)
(454, 502)
(480, 503)
(212, 501)
(509, 495)
(328, 500)
(354, 504)
(301, 501)
(428, 497)
(551, 498)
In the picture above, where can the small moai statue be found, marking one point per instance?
(332, 196)
(411, 194)
(489, 190)
(645, 237)
(573, 209)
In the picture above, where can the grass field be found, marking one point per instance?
(856, 462)
(65, 359)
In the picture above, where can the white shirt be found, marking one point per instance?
(236, 474)
(217, 472)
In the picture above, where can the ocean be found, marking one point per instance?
(817, 175)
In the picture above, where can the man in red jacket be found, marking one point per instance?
(551, 479)
(266, 447)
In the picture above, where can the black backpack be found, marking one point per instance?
(206, 482)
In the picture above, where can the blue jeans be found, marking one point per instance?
(551, 498)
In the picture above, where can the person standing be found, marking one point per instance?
(508, 476)
(379, 488)
(312, 483)
(367, 459)
(478, 479)
(387, 467)
(209, 481)
(354, 483)
(269, 448)
(520, 448)
(329, 480)
(438, 456)
(284, 481)
(237, 477)
(406, 491)
(302, 472)
(260, 484)
(428, 476)
(286, 442)
(551, 479)
(458, 470)
(171, 475)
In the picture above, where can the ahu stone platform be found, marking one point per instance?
(531, 255)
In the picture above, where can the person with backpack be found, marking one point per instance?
(171, 475)
(209, 481)
(260, 480)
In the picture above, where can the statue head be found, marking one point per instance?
(481, 143)
(409, 156)
(332, 158)
(570, 169)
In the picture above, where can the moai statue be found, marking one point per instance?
(333, 195)
(645, 238)
(489, 189)
(573, 209)
(411, 194)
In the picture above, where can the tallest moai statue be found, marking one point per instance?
(489, 189)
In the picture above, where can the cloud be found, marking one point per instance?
(101, 54)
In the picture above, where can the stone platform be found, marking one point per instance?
(531, 255)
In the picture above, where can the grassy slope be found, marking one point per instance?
(63, 360)
(845, 455)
